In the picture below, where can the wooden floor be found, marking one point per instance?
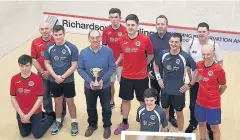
(8, 126)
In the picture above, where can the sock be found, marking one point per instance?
(74, 120)
(125, 121)
(58, 119)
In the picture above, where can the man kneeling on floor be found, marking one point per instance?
(26, 92)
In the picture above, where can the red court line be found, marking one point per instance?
(141, 23)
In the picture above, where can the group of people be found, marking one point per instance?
(121, 53)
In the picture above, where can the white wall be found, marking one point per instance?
(20, 20)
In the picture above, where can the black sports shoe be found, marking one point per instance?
(173, 121)
(210, 135)
(190, 128)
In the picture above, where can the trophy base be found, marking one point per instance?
(96, 87)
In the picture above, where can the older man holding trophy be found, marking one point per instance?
(96, 65)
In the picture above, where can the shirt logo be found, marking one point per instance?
(40, 45)
(56, 58)
(64, 51)
(194, 52)
(119, 33)
(27, 91)
(145, 122)
(30, 83)
(175, 68)
(20, 90)
(169, 67)
(152, 117)
(210, 73)
(138, 43)
(109, 33)
(112, 39)
(127, 49)
(178, 61)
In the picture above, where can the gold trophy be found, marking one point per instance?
(96, 73)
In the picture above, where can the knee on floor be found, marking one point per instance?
(37, 135)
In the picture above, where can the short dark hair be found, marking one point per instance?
(57, 28)
(150, 92)
(162, 16)
(178, 35)
(24, 59)
(115, 10)
(132, 17)
(203, 24)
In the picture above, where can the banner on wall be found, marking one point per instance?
(83, 24)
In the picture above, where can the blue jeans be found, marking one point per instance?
(91, 100)
(47, 99)
(38, 127)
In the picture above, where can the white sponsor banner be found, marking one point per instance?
(83, 24)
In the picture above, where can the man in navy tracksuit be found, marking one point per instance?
(93, 57)
(160, 41)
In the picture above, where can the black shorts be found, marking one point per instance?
(177, 101)
(128, 86)
(65, 89)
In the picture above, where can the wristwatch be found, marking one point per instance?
(190, 85)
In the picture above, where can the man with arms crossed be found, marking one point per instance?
(173, 63)
(91, 58)
(26, 92)
(110, 38)
(212, 84)
(195, 50)
(160, 41)
(37, 52)
(133, 46)
(61, 61)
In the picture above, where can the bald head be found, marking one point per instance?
(208, 48)
(44, 25)
(208, 52)
(45, 29)
(94, 33)
(95, 38)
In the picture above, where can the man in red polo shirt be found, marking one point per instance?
(26, 92)
(110, 38)
(37, 52)
(134, 47)
(212, 84)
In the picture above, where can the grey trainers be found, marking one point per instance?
(74, 130)
(56, 127)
